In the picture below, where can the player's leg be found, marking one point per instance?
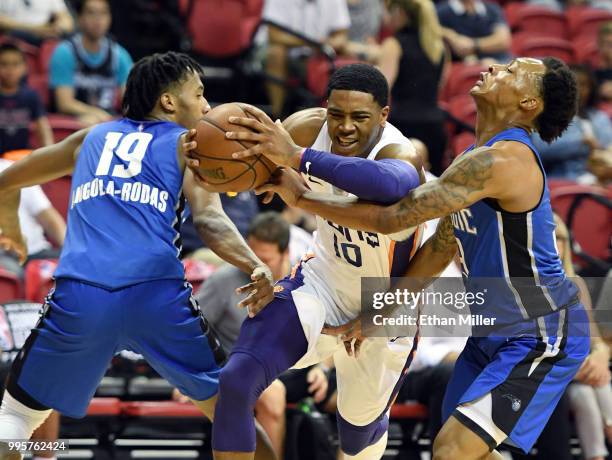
(48, 431)
(63, 359)
(268, 345)
(270, 413)
(513, 396)
(367, 387)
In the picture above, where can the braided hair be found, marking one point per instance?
(150, 77)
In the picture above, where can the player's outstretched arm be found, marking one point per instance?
(485, 172)
(44, 164)
(221, 235)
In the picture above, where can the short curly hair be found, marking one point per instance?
(361, 77)
(560, 95)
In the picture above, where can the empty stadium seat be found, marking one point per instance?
(525, 44)
(537, 20)
(58, 192)
(38, 279)
(318, 70)
(223, 28)
(463, 108)
(586, 52)
(461, 79)
(585, 22)
(587, 211)
(10, 286)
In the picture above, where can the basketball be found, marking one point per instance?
(217, 167)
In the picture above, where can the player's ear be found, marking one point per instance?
(167, 102)
(529, 103)
(384, 114)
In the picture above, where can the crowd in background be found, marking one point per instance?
(64, 65)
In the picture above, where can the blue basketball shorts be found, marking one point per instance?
(82, 326)
(506, 388)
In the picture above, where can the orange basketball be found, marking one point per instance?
(217, 167)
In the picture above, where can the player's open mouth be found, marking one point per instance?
(346, 142)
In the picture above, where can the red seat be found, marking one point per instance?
(318, 70)
(38, 279)
(586, 52)
(223, 28)
(537, 20)
(44, 56)
(461, 79)
(461, 142)
(104, 407)
(524, 44)
(585, 22)
(409, 410)
(160, 409)
(10, 286)
(58, 192)
(63, 126)
(590, 222)
(197, 271)
(464, 109)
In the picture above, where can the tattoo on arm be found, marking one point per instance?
(462, 184)
(443, 241)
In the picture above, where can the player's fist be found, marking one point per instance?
(286, 183)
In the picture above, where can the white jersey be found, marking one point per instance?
(343, 256)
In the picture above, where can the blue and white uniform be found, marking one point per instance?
(119, 283)
(508, 380)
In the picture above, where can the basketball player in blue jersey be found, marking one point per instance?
(119, 282)
(498, 216)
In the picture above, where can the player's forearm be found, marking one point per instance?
(223, 238)
(384, 181)
(43, 165)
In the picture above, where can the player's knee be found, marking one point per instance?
(273, 401)
(354, 439)
(242, 381)
(18, 421)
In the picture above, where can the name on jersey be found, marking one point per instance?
(133, 192)
(461, 221)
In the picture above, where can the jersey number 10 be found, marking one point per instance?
(131, 149)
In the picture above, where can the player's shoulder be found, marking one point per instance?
(304, 126)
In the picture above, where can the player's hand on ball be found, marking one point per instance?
(350, 333)
(317, 383)
(286, 183)
(260, 290)
(271, 139)
(189, 146)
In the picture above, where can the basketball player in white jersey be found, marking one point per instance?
(325, 288)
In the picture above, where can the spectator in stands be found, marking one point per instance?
(35, 20)
(322, 21)
(590, 395)
(589, 132)
(412, 61)
(604, 73)
(268, 236)
(475, 30)
(20, 106)
(37, 217)
(366, 20)
(87, 72)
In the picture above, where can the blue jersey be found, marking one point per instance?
(126, 205)
(512, 257)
